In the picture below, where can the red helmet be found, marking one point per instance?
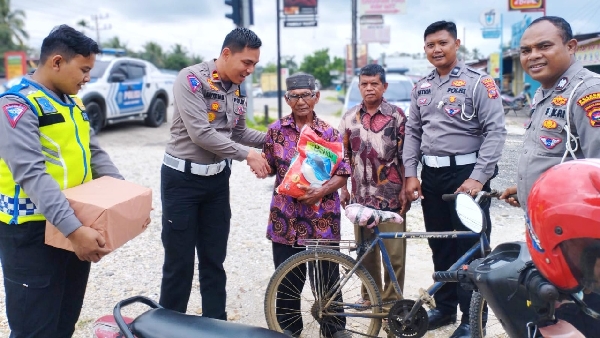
(563, 228)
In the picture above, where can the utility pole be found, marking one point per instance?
(97, 26)
(279, 103)
(247, 21)
(354, 37)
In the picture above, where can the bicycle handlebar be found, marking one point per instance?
(446, 276)
(448, 197)
(484, 194)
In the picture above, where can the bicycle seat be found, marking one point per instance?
(163, 323)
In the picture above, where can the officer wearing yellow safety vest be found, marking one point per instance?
(46, 146)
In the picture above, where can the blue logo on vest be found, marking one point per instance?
(45, 105)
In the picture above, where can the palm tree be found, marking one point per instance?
(84, 25)
(153, 52)
(114, 42)
(12, 22)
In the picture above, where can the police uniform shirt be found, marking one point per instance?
(209, 121)
(546, 135)
(455, 115)
(21, 149)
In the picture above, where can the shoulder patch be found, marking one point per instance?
(490, 86)
(591, 104)
(193, 82)
(13, 112)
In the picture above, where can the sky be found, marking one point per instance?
(200, 25)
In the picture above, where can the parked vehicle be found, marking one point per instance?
(511, 297)
(159, 322)
(124, 88)
(397, 93)
(516, 103)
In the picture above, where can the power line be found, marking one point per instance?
(97, 26)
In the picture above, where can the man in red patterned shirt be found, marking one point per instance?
(373, 133)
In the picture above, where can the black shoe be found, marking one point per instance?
(462, 331)
(438, 319)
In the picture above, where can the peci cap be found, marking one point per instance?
(300, 81)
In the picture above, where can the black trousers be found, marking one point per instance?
(196, 217)
(44, 286)
(289, 314)
(440, 215)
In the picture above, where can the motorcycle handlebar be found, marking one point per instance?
(541, 287)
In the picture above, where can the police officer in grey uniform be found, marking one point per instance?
(46, 145)
(565, 122)
(208, 130)
(456, 130)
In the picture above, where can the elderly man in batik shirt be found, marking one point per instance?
(293, 220)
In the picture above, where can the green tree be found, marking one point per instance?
(270, 67)
(476, 54)
(338, 64)
(196, 59)
(114, 42)
(83, 24)
(289, 63)
(12, 31)
(463, 53)
(153, 52)
(177, 59)
(12, 25)
(319, 65)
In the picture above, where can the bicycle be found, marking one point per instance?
(323, 305)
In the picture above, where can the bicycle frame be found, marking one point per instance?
(380, 236)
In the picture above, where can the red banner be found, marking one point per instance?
(299, 7)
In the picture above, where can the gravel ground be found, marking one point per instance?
(135, 268)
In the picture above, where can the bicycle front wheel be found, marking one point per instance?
(482, 319)
(312, 294)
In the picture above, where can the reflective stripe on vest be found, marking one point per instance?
(65, 143)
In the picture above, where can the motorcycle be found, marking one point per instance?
(516, 103)
(507, 282)
(159, 322)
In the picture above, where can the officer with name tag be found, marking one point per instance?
(564, 125)
(207, 132)
(46, 146)
(456, 130)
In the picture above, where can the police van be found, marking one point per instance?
(124, 88)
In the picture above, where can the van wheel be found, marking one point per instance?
(157, 114)
(96, 116)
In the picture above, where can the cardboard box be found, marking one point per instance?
(118, 209)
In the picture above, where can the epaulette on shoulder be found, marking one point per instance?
(478, 72)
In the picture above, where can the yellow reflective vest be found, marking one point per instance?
(65, 144)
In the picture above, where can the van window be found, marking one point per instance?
(396, 91)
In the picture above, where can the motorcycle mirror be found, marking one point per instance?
(469, 212)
